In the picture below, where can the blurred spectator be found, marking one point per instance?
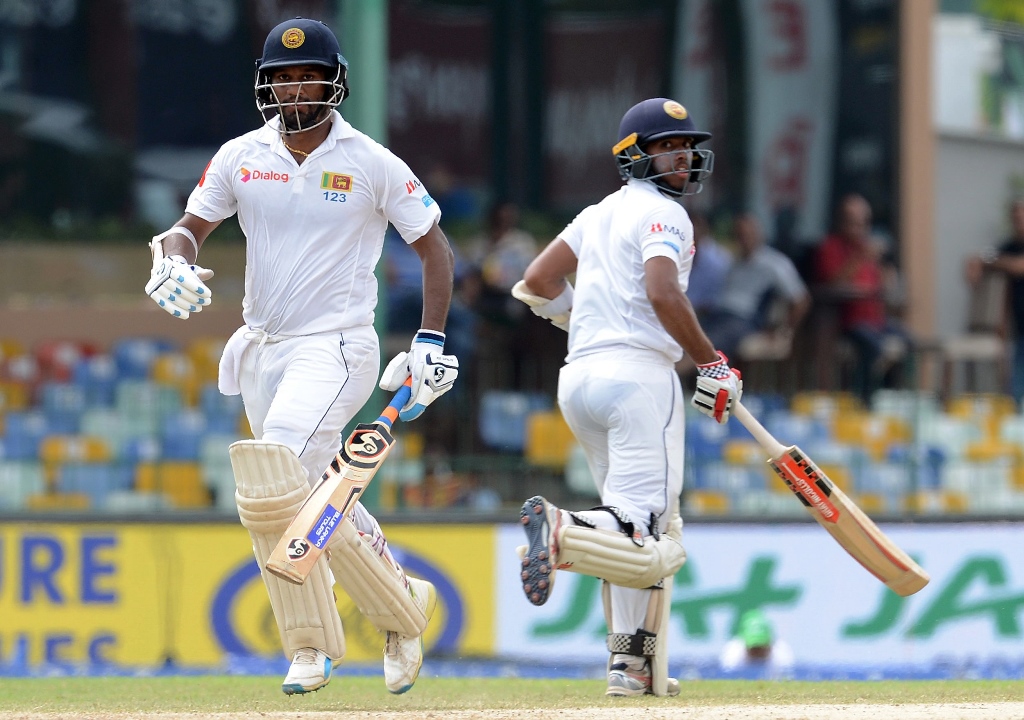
(1008, 258)
(710, 265)
(850, 267)
(758, 277)
(755, 648)
(457, 202)
(404, 277)
(502, 252)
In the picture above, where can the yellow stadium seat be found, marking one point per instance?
(74, 448)
(990, 450)
(986, 410)
(178, 370)
(743, 452)
(57, 501)
(707, 502)
(205, 355)
(13, 396)
(180, 482)
(243, 427)
(870, 503)
(825, 404)
(548, 439)
(874, 433)
(9, 347)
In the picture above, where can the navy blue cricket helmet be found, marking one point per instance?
(651, 120)
(301, 42)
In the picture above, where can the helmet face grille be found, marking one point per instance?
(296, 119)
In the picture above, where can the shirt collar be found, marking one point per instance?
(270, 133)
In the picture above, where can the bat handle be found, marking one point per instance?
(398, 401)
(764, 438)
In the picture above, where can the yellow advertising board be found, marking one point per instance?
(142, 594)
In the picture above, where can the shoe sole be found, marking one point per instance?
(296, 689)
(429, 612)
(538, 572)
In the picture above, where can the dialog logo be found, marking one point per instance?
(248, 175)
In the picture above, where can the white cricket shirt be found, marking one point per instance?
(314, 232)
(612, 240)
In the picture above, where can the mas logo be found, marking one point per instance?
(336, 181)
(293, 38)
(248, 175)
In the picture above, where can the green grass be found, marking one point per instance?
(263, 694)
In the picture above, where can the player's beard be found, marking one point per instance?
(296, 119)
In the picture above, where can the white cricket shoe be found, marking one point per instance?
(310, 671)
(403, 654)
(629, 675)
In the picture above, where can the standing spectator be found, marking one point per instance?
(759, 274)
(711, 262)
(1008, 258)
(850, 269)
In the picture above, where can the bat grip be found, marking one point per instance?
(398, 401)
(764, 438)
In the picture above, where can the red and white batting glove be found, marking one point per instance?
(719, 387)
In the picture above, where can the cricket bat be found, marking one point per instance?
(835, 512)
(335, 494)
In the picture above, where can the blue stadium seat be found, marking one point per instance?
(181, 435)
(503, 417)
(96, 480)
(24, 431)
(63, 405)
(97, 376)
(135, 356)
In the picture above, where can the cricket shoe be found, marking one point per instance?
(626, 679)
(541, 521)
(403, 654)
(310, 671)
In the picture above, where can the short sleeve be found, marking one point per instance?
(666, 231)
(787, 279)
(572, 235)
(402, 198)
(213, 199)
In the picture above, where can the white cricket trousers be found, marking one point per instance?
(628, 416)
(303, 391)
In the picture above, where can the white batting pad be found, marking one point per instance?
(270, 487)
(377, 587)
(616, 558)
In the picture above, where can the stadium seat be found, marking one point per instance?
(205, 355)
(706, 502)
(181, 435)
(503, 414)
(57, 358)
(97, 376)
(97, 481)
(548, 439)
(177, 370)
(180, 482)
(135, 356)
(59, 449)
(985, 410)
(14, 395)
(23, 432)
(825, 405)
(20, 479)
(144, 404)
(63, 404)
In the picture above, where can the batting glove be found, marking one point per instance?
(719, 387)
(433, 373)
(178, 287)
(556, 311)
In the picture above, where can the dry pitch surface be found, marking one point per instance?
(363, 698)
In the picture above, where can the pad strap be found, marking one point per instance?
(643, 644)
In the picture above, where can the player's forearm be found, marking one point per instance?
(180, 244)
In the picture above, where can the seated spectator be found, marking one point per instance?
(850, 267)
(758, 275)
(502, 252)
(756, 651)
(1008, 258)
(710, 264)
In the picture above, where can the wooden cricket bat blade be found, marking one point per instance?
(335, 494)
(838, 514)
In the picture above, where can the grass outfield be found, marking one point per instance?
(243, 694)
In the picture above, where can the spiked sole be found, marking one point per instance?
(538, 572)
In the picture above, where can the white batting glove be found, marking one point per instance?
(433, 373)
(556, 310)
(178, 287)
(719, 387)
